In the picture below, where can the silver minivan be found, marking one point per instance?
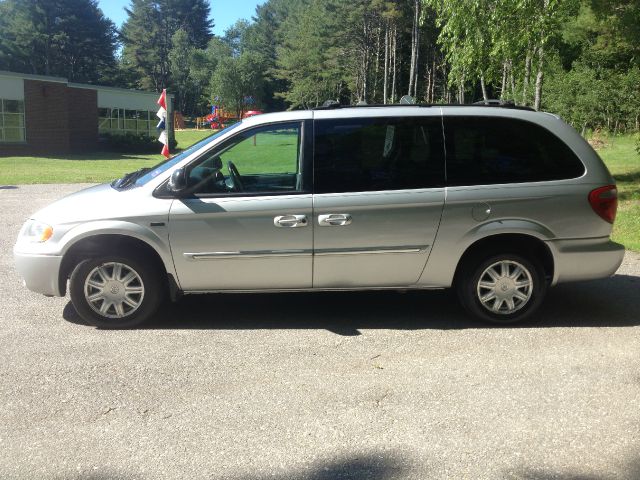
(496, 201)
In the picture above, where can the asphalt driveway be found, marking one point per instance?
(362, 386)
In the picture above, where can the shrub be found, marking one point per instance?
(133, 143)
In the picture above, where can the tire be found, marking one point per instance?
(116, 292)
(502, 288)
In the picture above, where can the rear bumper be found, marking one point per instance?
(39, 272)
(585, 259)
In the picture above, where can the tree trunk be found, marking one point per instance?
(512, 81)
(385, 85)
(377, 67)
(365, 61)
(414, 47)
(429, 79)
(415, 82)
(539, 78)
(527, 76)
(504, 80)
(395, 49)
(484, 89)
(433, 83)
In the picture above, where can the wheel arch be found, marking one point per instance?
(523, 244)
(92, 246)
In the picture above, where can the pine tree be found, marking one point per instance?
(67, 38)
(148, 31)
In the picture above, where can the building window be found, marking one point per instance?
(12, 121)
(121, 120)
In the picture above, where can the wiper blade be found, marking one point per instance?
(129, 178)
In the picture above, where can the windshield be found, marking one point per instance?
(167, 164)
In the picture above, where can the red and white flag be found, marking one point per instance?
(162, 115)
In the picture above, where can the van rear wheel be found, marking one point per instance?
(115, 292)
(503, 288)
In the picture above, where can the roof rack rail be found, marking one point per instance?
(493, 103)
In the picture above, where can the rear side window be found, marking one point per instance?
(489, 150)
(373, 154)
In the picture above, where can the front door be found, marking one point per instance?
(379, 194)
(248, 223)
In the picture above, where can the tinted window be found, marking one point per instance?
(487, 150)
(370, 154)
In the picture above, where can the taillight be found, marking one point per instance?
(604, 201)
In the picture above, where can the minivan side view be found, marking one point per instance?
(498, 202)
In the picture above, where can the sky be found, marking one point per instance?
(224, 12)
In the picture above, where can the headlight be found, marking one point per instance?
(37, 232)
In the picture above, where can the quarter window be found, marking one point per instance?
(373, 154)
(489, 150)
(12, 127)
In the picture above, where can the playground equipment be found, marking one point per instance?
(252, 113)
(218, 117)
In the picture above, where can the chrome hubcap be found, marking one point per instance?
(505, 287)
(114, 290)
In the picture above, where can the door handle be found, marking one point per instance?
(290, 221)
(334, 220)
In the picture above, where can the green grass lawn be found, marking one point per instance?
(277, 152)
(624, 163)
(618, 153)
(94, 167)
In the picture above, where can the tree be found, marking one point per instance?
(192, 69)
(67, 38)
(148, 31)
(234, 81)
(308, 57)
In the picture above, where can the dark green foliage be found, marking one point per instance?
(596, 84)
(148, 33)
(67, 38)
(235, 79)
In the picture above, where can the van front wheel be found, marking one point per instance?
(115, 292)
(503, 288)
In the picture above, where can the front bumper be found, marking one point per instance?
(585, 259)
(39, 272)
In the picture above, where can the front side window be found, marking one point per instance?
(374, 154)
(12, 127)
(261, 160)
(490, 150)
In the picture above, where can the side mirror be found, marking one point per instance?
(178, 181)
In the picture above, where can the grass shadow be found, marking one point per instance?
(630, 191)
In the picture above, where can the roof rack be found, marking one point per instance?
(492, 103)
